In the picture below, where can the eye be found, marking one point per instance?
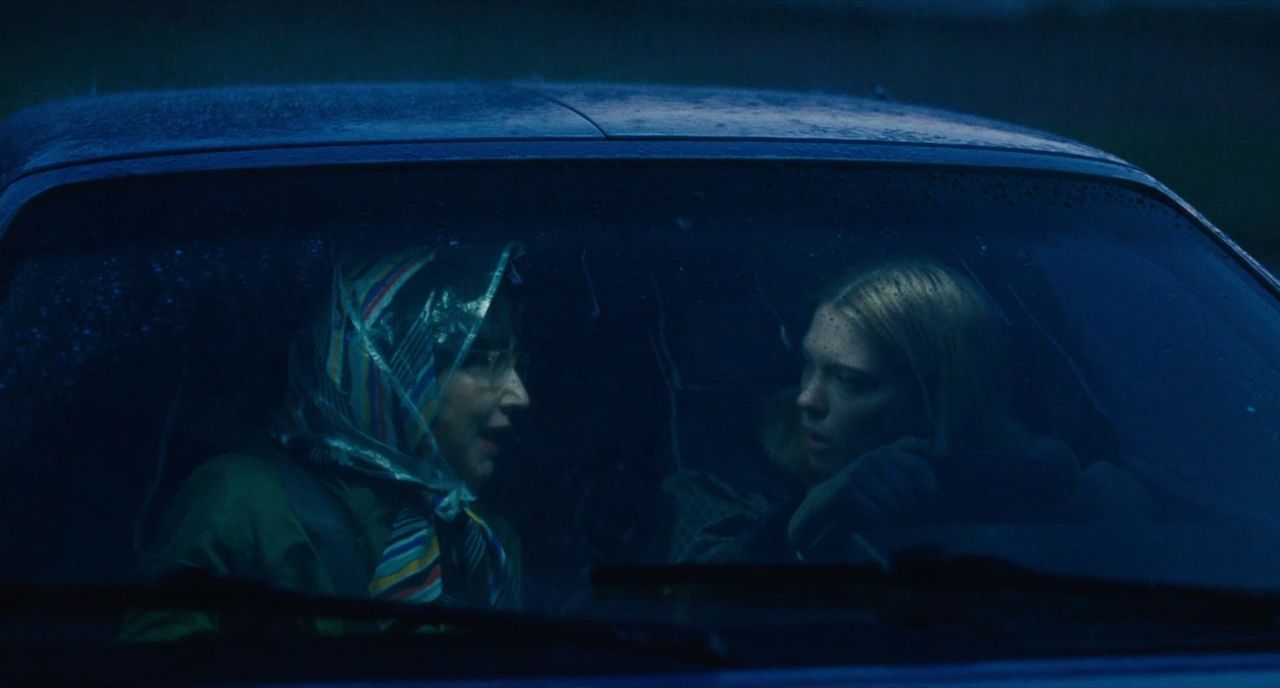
(481, 360)
(854, 381)
(495, 363)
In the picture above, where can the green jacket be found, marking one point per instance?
(232, 518)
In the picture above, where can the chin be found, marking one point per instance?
(479, 472)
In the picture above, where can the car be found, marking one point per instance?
(1060, 387)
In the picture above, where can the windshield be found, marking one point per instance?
(625, 363)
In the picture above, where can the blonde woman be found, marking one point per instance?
(900, 419)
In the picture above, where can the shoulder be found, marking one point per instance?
(707, 489)
(1049, 461)
(1028, 477)
(235, 479)
(222, 511)
(701, 501)
(689, 481)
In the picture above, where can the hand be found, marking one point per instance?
(882, 486)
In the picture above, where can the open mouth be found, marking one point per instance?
(494, 439)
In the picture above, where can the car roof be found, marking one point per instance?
(109, 127)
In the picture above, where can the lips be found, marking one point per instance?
(815, 442)
(494, 438)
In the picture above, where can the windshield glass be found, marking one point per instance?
(490, 380)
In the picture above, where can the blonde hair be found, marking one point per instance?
(934, 325)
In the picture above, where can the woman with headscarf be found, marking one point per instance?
(900, 419)
(400, 401)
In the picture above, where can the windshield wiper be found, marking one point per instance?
(45, 604)
(923, 567)
(995, 598)
(67, 635)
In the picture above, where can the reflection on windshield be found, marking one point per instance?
(347, 384)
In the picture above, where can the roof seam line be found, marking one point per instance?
(577, 112)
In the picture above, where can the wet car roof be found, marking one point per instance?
(89, 128)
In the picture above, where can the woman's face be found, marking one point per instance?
(474, 426)
(475, 423)
(851, 400)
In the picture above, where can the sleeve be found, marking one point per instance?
(231, 518)
(715, 524)
(1033, 478)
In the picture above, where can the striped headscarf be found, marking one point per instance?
(364, 392)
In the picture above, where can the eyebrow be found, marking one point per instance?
(808, 356)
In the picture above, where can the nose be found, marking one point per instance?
(514, 395)
(811, 400)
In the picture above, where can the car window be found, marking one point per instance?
(667, 317)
